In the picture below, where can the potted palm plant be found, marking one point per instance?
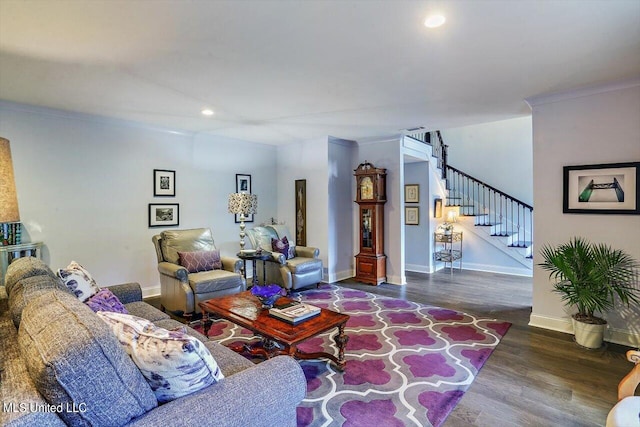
(590, 277)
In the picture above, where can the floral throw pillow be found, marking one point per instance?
(105, 300)
(174, 364)
(200, 261)
(282, 246)
(79, 281)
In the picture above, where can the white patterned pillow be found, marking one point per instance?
(79, 281)
(174, 364)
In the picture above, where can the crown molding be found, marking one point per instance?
(547, 98)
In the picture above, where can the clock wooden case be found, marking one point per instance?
(371, 262)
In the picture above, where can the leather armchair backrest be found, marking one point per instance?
(282, 231)
(193, 240)
(260, 237)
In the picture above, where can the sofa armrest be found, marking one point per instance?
(127, 292)
(173, 270)
(232, 264)
(307, 252)
(275, 386)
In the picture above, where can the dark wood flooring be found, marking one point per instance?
(535, 377)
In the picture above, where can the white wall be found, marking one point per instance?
(387, 154)
(305, 160)
(498, 153)
(417, 237)
(84, 184)
(590, 126)
(340, 257)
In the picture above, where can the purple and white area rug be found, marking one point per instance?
(407, 364)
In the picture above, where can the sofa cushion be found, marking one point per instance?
(174, 363)
(302, 265)
(105, 300)
(74, 358)
(200, 260)
(24, 267)
(214, 280)
(174, 241)
(146, 311)
(27, 289)
(79, 281)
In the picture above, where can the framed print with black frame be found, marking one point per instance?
(612, 188)
(243, 185)
(164, 183)
(412, 215)
(164, 215)
(412, 193)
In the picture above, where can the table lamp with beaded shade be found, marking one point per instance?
(8, 196)
(243, 204)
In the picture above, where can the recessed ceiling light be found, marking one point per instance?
(434, 21)
(207, 112)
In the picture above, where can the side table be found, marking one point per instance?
(253, 257)
(11, 252)
(451, 249)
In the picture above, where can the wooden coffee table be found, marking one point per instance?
(278, 336)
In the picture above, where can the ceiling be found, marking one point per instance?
(278, 72)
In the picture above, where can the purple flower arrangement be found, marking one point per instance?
(268, 294)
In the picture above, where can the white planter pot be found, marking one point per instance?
(587, 334)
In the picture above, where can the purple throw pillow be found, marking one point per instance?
(105, 300)
(281, 245)
(200, 261)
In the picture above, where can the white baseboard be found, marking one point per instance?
(496, 269)
(151, 292)
(416, 268)
(339, 275)
(614, 335)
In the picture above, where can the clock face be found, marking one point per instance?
(366, 188)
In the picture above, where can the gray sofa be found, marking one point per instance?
(60, 364)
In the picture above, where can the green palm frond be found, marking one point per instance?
(590, 276)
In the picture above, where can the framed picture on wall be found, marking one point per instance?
(612, 188)
(412, 193)
(164, 183)
(243, 185)
(164, 215)
(301, 212)
(412, 215)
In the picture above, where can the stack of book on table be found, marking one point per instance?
(295, 312)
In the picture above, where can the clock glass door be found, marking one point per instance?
(367, 237)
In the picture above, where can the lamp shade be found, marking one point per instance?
(243, 203)
(8, 196)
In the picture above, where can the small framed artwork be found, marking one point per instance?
(164, 215)
(412, 215)
(412, 193)
(301, 212)
(437, 208)
(243, 183)
(164, 183)
(612, 188)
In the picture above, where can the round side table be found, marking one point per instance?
(253, 257)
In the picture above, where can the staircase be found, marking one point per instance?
(500, 219)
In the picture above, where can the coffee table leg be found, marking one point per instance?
(206, 323)
(341, 340)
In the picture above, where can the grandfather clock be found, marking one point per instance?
(371, 262)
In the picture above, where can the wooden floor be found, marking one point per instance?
(535, 377)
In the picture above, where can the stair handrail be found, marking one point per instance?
(491, 187)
